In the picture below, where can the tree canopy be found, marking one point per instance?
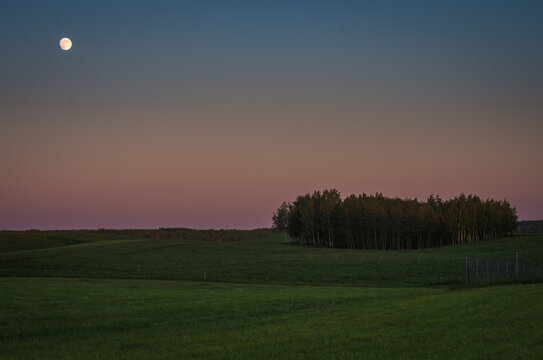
(379, 222)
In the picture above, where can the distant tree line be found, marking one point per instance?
(379, 222)
(191, 234)
(530, 227)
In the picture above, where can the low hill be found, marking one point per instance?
(269, 260)
(36, 239)
(192, 234)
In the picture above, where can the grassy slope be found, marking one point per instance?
(263, 261)
(242, 314)
(11, 241)
(95, 319)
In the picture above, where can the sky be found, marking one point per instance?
(209, 114)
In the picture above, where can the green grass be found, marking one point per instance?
(12, 241)
(100, 319)
(103, 298)
(268, 261)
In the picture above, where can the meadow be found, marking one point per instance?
(105, 296)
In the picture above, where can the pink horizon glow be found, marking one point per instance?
(231, 172)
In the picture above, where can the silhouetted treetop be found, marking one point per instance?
(378, 222)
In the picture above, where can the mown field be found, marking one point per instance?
(100, 298)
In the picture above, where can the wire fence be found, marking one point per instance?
(481, 271)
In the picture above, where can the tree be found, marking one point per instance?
(280, 218)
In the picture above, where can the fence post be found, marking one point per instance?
(477, 267)
(516, 266)
(467, 272)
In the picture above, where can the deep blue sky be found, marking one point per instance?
(163, 110)
(379, 40)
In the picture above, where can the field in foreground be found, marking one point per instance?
(100, 319)
(135, 298)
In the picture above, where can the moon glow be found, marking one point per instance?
(65, 44)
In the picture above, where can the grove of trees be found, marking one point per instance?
(379, 222)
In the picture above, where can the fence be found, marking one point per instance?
(485, 271)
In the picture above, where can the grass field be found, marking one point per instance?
(135, 298)
(20, 241)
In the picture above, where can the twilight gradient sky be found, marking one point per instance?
(208, 114)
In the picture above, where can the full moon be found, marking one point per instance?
(65, 44)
